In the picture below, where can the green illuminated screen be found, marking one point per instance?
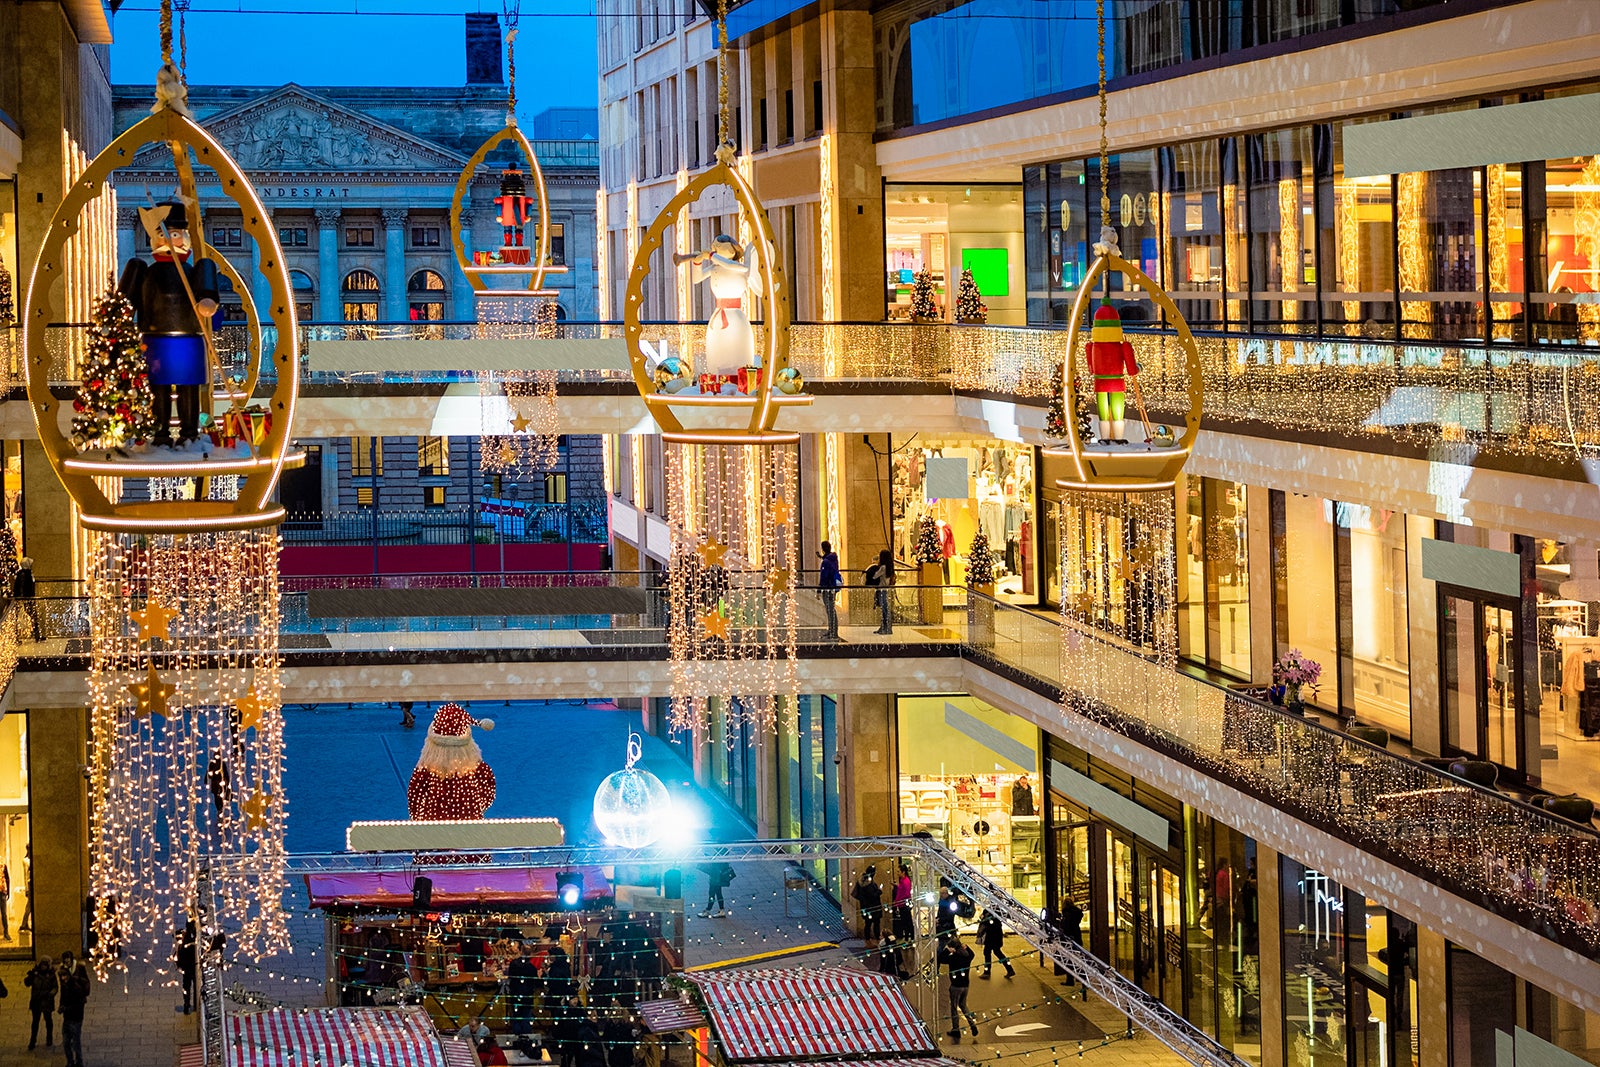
(991, 269)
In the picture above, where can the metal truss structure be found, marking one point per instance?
(931, 859)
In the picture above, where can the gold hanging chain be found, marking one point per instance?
(511, 64)
(166, 32)
(183, 36)
(724, 126)
(1105, 149)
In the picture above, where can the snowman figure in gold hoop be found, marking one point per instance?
(730, 342)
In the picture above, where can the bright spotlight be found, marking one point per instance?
(569, 891)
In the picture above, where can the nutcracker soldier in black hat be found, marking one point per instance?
(168, 297)
(514, 203)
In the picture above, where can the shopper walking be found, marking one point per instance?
(42, 983)
(956, 955)
(74, 978)
(186, 964)
(904, 928)
(992, 935)
(881, 577)
(868, 895)
(718, 877)
(24, 590)
(829, 579)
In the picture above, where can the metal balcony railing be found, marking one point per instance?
(1507, 856)
(1543, 400)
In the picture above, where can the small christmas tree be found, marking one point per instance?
(1055, 418)
(923, 309)
(928, 548)
(112, 408)
(8, 559)
(970, 307)
(980, 561)
(8, 303)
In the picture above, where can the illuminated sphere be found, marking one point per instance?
(790, 380)
(673, 373)
(631, 807)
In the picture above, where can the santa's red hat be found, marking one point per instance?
(451, 723)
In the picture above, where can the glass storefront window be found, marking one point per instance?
(1570, 191)
(949, 228)
(1217, 564)
(967, 485)
(981, 801)
(1303, 578)
(1283, 277)
(1193, 250)
(1379, 664)
(812, 778)
(1223, 937)
(1067, 220)
(1136, 214)
(1314, 995)
(16, 858)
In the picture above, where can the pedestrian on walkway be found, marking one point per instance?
(42, 1001)
(24, 590)
(901, 923)
(992, 935)
(408, 718)
(880, 576)
(187, 964)
(868, 895)
(719, 876)
(955, 954)
(829, 579)
(74, 978)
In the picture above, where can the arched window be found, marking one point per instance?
(305, 292)
(425, 293)
(360, 291)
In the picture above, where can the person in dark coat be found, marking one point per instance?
(187, 961)
(956, 955)
(992, 936)
(74, 979)
(42, 983)
(868, 895)
(522, 984)
(169, 295)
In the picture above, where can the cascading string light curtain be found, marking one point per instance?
(187, 728)
(523, 401)
(732, 612)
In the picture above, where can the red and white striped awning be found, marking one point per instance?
(286, 1037)
(810, 1015)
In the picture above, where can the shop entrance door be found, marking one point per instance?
(1161, 934)
(1122, 908)
(1478, 640)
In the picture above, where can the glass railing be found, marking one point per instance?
(1519, 861)
(1539, 400)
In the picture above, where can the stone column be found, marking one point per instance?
(1269, 926)
(465, 304)
(57, 739)
(127, 224)
(328, 279)
(848, 73)
(394, 265)
(47, 526)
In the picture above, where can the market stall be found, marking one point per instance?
(280, 1037)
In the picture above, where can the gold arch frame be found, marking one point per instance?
(254, 506)
(775, 337)
(538, 268)
(1126, 472)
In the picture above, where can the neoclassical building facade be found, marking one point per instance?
(359, 182)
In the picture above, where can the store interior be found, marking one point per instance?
(966, 485)
(969, 776)
(946, 228)
(14, 839)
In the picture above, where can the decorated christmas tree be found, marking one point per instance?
(970, 307)
(112, 408)
(928, 547)
(1055, 419)
(923, 309)
(980, 561)
(8, 559)
(8, 303)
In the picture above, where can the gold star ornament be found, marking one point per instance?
(782, 511)
(1083, 603)
(155, 620)
(778, 579)
(519, 422)
(151, 695)
(712, 553)
(716, 624)
(256, 809)
(250, 709)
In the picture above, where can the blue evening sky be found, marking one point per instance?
(557, 64)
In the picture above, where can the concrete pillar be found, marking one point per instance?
(47, 526)
(466, 305)
(329, 308)
(867, 778)
(1433, 999)
(58, 802)
(1269, 910)
(864, 501)
(394, 265)
(1258, 539)
(849, 93)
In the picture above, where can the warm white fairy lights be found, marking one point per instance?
(521, 426)
(185, 709)
(732, 582)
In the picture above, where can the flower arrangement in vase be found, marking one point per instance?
(1294, 671)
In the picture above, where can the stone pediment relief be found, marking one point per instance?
(292, 130)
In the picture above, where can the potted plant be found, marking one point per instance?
(1291, 675)
(930, 572)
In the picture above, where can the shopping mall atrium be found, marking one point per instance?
(901, 533)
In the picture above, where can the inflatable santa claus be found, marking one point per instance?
(451, 780)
